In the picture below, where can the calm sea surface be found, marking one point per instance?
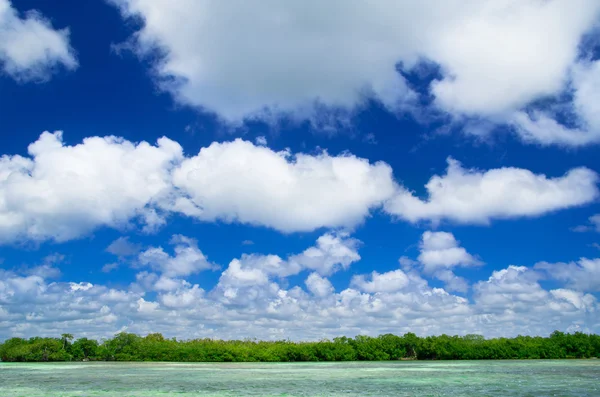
(463, 378)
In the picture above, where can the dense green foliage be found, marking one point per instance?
(154, 347)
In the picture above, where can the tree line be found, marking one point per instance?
(154, 347)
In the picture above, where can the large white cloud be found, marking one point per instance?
(246, 58)
(474, 196)
(63, 192)
(31, 48)
(239, 181)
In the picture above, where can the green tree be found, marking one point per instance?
(66, 339)
(85, 349)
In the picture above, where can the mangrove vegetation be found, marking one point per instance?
(155, 347)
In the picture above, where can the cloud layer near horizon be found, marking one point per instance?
(251, 299)
(61, 192)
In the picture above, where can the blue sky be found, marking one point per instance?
(263, 169)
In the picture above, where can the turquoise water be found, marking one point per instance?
(459, 378)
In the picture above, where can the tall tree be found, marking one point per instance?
(66, 338)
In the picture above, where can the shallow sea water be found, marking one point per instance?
(566, 378)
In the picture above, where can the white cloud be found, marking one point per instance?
(439, 253)
(386, 282)
(518, 50)
(31, 48)
(64, 192)
(277, 56)
(299, 55)
(452, 282)
(253, 300)
(441, 250)
(319, 286)
(188, 258)
(582, 275)
(146, 307)
(35, 305)
(82, 286)
(233, 181)
(542, 127)
(514, 297)
(474, 196)
(330, 254)
(183, 298)
(239, 274)
(47, 270)
(593, 225)
(252, 282)
(575, 298)
(515, 288)
(238, 181)
(586, 84)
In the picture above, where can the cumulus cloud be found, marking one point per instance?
(254, 299)
(296, 58)
(63, 192)
(46, 269)
(243, 276)
(187, 258)
(319, 286)
(514, 295)
(387, 282)
(583, 275)
(36, 305)
(474, 196)
(542, 127)
(441, 250)
(439, 253)
(238, 181)
(31, 49)
(331, 253)
(515, 288)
